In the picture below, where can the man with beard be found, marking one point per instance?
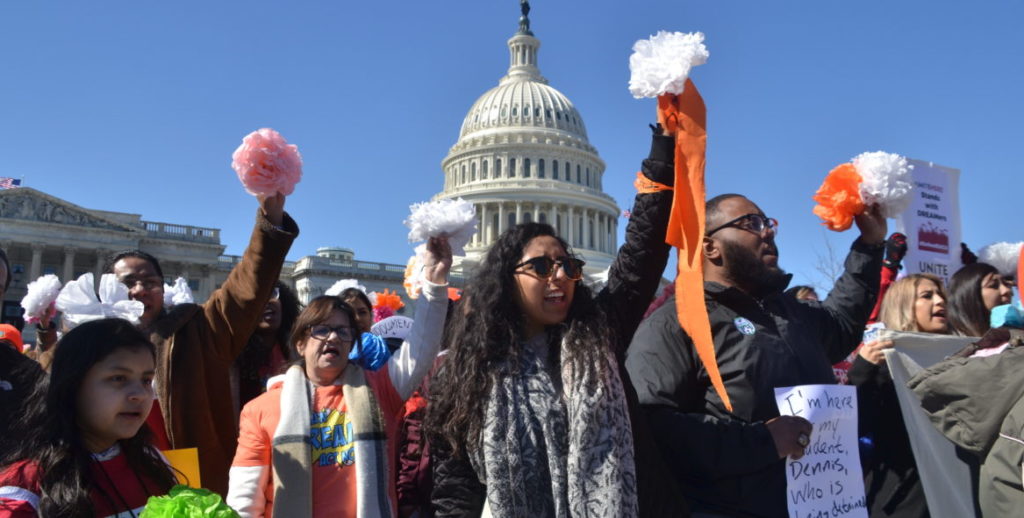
(731, 463)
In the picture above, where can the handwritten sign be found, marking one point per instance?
(396, 326)
(827, 481)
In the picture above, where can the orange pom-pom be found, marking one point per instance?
(411, 281)
(839, 198)
(389, 299)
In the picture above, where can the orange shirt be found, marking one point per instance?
(330, 434)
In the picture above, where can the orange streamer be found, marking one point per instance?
(1020, 269)
(685, 116)
(839, 198)
(645, 185)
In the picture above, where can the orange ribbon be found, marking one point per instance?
(685, 116)
(645, 185)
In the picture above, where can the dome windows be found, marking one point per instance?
(526, 168)
(483, 170)
(540, 168)
(512, 169)
(554, 169)
(497, 168)
(472, 172)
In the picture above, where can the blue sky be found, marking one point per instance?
(136, 106)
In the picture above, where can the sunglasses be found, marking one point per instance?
(544, 266)
(323, 332)
(756, 223)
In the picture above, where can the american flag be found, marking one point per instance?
(9, 183)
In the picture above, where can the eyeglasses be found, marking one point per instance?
(323, 332)
(756, 223)
(544, 266)
(148, 284)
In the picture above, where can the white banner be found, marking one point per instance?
(932, 222)
(945, 476)
(827, 480)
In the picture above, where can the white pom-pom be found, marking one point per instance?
(180, 293)
(38, 302)
(454, 219)
(79, 303)
(1003, 256)
(885, 180)
(342, 285)
(662, 63)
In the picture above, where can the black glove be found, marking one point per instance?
(966, 255)
(895, 250)
(663, 150)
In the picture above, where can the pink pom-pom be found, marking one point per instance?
(267, 164)
(382, 312)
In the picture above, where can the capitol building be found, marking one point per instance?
(523, 155)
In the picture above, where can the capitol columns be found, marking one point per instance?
(501, 218)
(554, 218)
(570, 236)
(101, 258)
(484, 221)
(536, 212)
(36, 269)
(208, 282)
(586, 230)
(69, 263)
(519, 212)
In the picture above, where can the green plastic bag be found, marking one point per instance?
(187, 502)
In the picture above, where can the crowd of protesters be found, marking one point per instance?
(535, 394)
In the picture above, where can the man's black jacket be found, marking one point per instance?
(727, 462)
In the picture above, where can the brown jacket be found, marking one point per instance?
(197, 344)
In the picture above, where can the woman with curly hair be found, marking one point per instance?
(531, 409)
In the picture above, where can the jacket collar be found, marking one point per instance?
(723, 293)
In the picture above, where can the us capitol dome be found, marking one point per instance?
(523, 155)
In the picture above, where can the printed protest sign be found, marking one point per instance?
(932, 222)
(827, 480)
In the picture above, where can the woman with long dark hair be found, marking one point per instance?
(973, 291)
(321, 442)
(531, 409)
(267, 354)
(89, 453)
(361, 306)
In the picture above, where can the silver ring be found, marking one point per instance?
(803, 440)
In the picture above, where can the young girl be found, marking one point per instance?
(89, 454)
